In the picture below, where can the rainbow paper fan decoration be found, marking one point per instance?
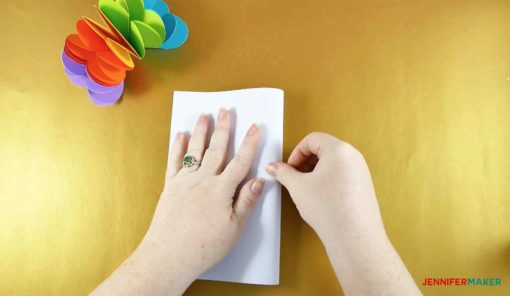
(97, 57)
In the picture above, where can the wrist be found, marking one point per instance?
(166, 263)
(354, 238)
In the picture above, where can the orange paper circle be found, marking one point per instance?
(121, 53)
(89, 37)
(74, 44)
(108, 76)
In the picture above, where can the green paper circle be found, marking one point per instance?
(117, 15)
(135, 39)
(136, 9)
(150, 37)
(153, 19)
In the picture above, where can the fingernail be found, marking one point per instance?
(178, 136)
(222, 114)
(253, 129)
(258, 186)
(202, 118)
(272, 169)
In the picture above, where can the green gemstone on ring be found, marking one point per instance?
(188, 161)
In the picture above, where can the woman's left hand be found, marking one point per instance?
(197, 220)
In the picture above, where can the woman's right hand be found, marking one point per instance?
(330, 184)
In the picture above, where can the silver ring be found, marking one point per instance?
(189, 161)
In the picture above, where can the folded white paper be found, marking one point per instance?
(256, 257)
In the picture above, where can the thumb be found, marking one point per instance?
(284, 173)
(248, 196)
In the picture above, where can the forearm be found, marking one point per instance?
(369, 265)
(150, 270)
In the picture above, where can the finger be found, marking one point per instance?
(177, 152)
(286, 174)
(248, 197)
(308, 165)
(239, 167)
(198, 140)
(313, 144)
(216, 153)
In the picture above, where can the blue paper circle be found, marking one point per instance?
(179, 35)
(160, 7)
(169, 21)
(149, 4)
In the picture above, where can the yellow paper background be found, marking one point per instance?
(422, 88)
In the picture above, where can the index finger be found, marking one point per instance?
(312, 144)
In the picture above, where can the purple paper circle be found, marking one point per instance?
(73, 67)
(79, 80)
(100, 95)
(98, 88)
(105, 99)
